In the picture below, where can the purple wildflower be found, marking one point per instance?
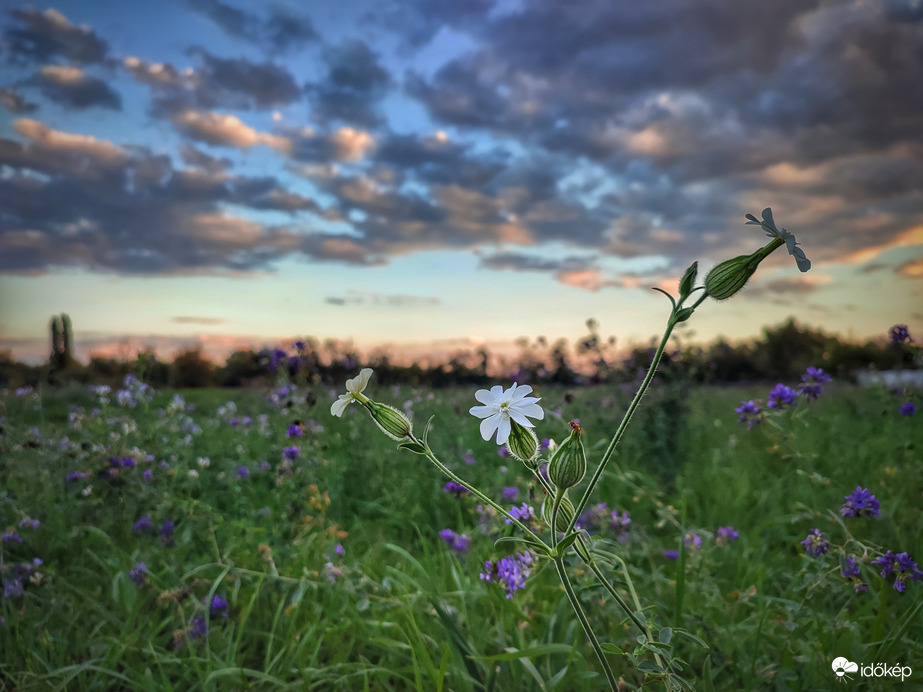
(908, 408)
(726, 534)
(511, 571)
(12, 588)
(218, 606)
(294, 431)
(671, 554)
(339, 550)
(166, 534)
(12, 537)
(851, 574)
(899, 334)
(510, 493)
(749, 412)
(30, 523)
(781, 396)
(468, 458)
(243, 472)
(860, 502)
(693, 541)
(901, 565)
(148, 475)
(138, 574)
(265, 465)
(332, 572)
(197, 627)
(523, 513)
(811, 382)
(619, 523)
(815, 543)
(74, 476)
(143, 525)
(457, 542)
(453, 488)
(291, 453)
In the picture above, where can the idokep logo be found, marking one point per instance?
(842, 667)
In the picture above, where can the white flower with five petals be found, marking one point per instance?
(501, 406)
(771, 230)
(354, 389)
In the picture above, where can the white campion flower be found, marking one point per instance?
(501, 406)
(769, 226)
(354, 389)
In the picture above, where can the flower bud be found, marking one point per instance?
(731, 275)
(522, 443)
(565, 512)
(568, 464)
(392, 422)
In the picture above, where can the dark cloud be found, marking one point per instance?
(355, 83)
(41, 37)
(15, 102)
(77, 200)
(197, 157)
(521, 262)
(418, 22)
(216, 83)
(72, 88)
(279, 32)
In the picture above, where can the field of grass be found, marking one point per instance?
(325, 570)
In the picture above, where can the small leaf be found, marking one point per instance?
(665, 635)
(414, 447)
(687, 283)
(672, 302)
(649, 666)
(683, 314)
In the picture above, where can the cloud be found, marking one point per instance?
(912, 268)
(71, 87)
(15, 103)
(197, 320)
(224, 129)
(40, 37)
(280, 32)
(381, 299)
(576, 271)
(354, 85)
(75, 199)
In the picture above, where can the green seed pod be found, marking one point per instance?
(568, 464)
(522, 443)
(392, 422)
(565, 512)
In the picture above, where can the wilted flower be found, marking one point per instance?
(815, 543)
(769, 226)
(860, 502)
(501, 406)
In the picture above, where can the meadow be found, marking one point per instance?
(224, 539)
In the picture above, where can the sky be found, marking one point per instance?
(431, 175)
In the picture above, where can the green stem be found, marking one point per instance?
(481, 496)
(625, 419)
(588, 630)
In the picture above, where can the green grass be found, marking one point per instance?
(398, 610)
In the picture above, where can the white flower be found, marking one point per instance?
(769, 226)
(500, 406)
(354, 389)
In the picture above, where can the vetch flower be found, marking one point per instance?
(749, 412)
(861, 502)
(354, 389)
(726, 534)
(769, 226)
(457, 542)
(815, 543)
(899, 334)
(850, 573)
(218, 606)
(693, 541)
(901, 565)
(511, 571)
(456, 489)
(143, 525)
(781, 396)
(811, 382)
(138, 574)
(501, 407)
(908, 408)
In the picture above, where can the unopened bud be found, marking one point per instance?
(522, 443)
(392, 422)
(565, 513)
(568, 464)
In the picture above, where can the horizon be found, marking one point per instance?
(428, 174)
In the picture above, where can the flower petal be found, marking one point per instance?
(503, 430)
(489, 425)
(339, 406)
(360, 382)
(520, 418)
(482, 411)
(520, 392)
(484, 396)
(531, 410)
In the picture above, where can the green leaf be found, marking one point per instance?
(672, 302)
(649, 666)
(665, 635)
(528, 541)
(515, 654)
(683, 314)
(414, 447)
(687, 283)
(691, 636)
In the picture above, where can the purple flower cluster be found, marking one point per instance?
(749, 412)
(523, 513)
(908, 408)
(138, 574)
(726, 534)
(851, 574)
(861, 502)
(453, 488)
(781, 396)
(901, 566)
(692, 541)
(815, 543)
(811, 382)
(460, 543)
(17, 575)
(899, 334)
(511, 571)
(291, 453)
(218, 606)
